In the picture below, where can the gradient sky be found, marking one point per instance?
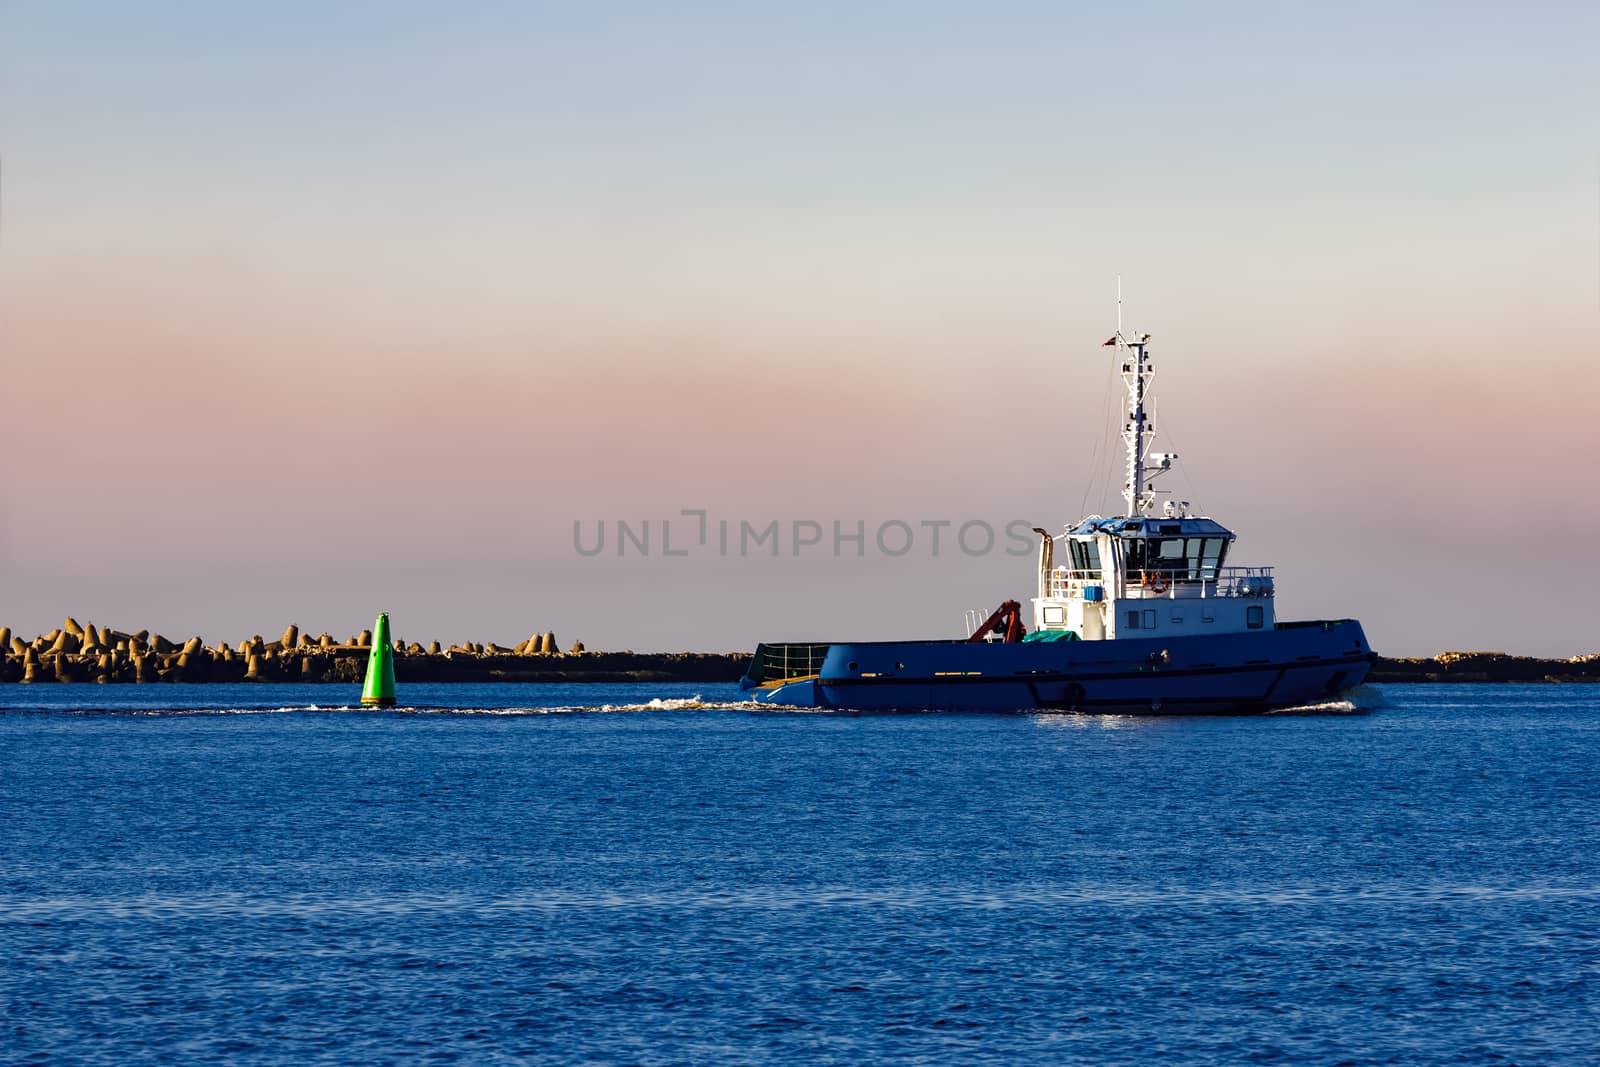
(310, 310)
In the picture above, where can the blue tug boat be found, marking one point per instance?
(1143, 614)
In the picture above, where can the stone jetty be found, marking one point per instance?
(82, 652)
(1486, 667)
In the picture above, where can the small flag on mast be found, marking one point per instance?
(1110, 342)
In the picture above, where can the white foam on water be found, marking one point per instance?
(694, 703)
(288, 709)
(1358, 701)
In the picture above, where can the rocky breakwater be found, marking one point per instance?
(1486, 667)
(77, 652)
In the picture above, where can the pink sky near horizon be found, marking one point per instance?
(186, 434)
(283, 377)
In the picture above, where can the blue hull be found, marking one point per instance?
(1294, 664)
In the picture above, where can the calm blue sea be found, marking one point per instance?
(621, 874)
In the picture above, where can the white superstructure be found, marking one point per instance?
(1145, 575)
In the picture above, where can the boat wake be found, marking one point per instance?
(1362, 700)
(694, 703)
(1359, 701)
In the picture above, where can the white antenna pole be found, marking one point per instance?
(1135, 429)
(1138, 428)
(1136, 374)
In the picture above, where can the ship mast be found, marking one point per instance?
(1138, 428)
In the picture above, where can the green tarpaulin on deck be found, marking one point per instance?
(1051, 635)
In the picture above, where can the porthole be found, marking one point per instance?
(854, 666)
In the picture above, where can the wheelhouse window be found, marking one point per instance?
(1189, 558)
(1085, 558)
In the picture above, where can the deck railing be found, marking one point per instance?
(1254, 582)
(779, 662)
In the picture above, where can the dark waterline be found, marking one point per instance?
(561, 874)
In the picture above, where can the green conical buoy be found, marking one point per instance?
(378, 692)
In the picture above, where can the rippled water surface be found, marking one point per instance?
(653, 874)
